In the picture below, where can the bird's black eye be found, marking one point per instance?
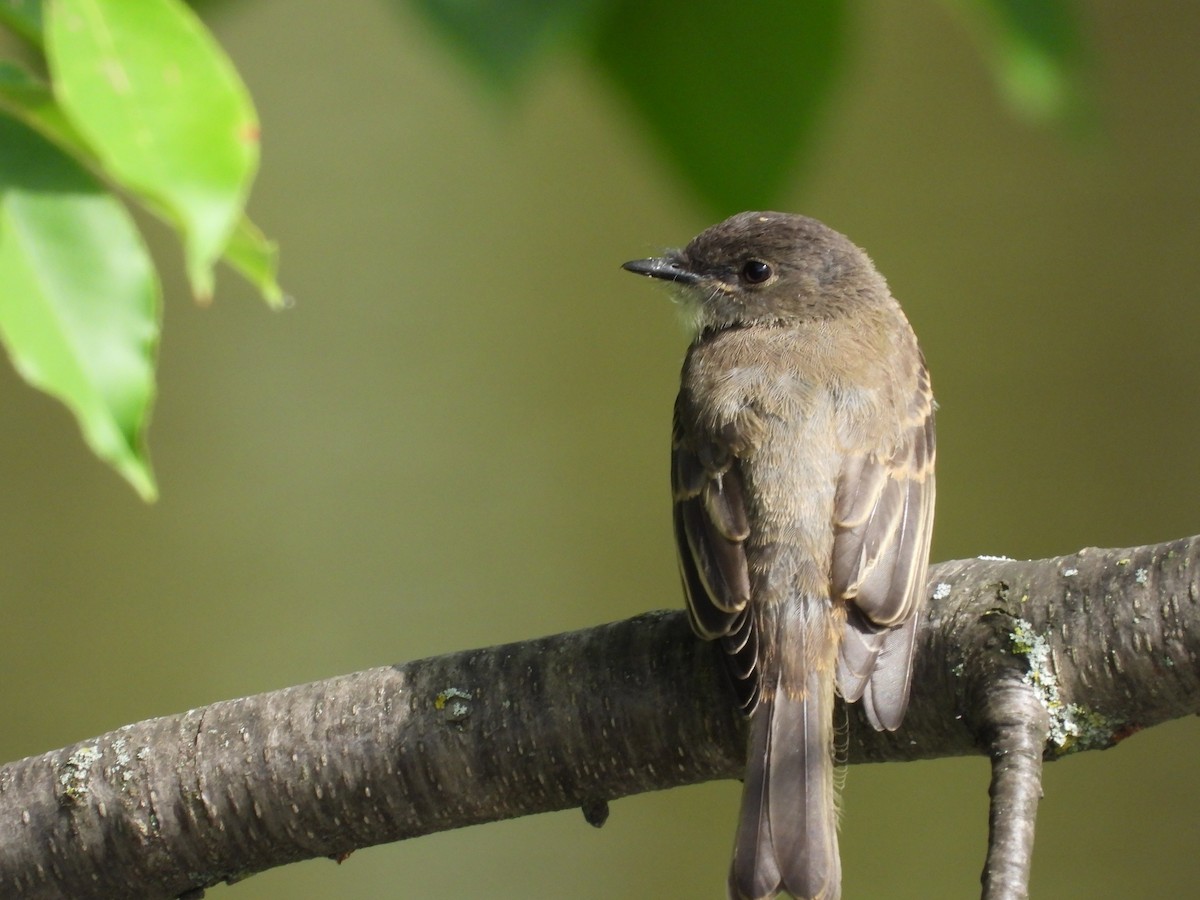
(755, 271)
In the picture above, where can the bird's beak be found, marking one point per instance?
(668, 268)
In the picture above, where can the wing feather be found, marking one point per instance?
(711, 527)
(883, 524)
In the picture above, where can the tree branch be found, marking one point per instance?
(1017, 736)
(1016, 659)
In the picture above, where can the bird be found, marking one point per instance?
(802, 476)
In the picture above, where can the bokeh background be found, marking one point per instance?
(457, 436)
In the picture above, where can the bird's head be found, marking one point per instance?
(766, 268)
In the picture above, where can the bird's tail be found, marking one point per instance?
(787, 832)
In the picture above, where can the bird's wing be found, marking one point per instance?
(883, 519)
(711, 528)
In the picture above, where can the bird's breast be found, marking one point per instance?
(805, 381)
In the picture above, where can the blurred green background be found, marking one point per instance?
(457, 436)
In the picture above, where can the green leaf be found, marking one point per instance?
(24, 17)
(257, 259)
(29, 99)
(732, 92)
(163, 107)
(79, 298)
(1036, 53)
(503, 37)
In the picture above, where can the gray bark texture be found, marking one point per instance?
(1023, 661)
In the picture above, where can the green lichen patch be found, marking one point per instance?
(1073, 727)
(74, 775)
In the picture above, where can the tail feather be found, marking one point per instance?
(787, 833)
(755, 870)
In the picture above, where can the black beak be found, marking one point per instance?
(668, 268)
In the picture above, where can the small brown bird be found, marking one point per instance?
(802, 471)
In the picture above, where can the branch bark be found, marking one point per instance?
(1022, 660)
